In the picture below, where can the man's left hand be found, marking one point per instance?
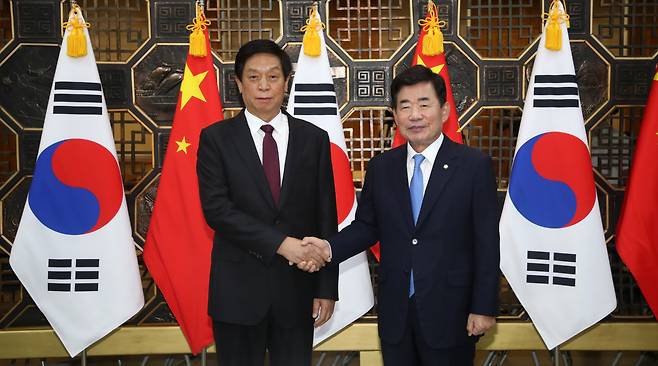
(478, 324)
(323, 309)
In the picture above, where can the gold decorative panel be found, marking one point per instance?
(8, 153)
(235, 22)
(500, 28)
(368, 132)
(13, 203)
(144, 204)
(494, 131)
(228, 113)
(134, 144)
(627, 28)
(9, 286)
(6, 33)
(370, 29)
(612, 142)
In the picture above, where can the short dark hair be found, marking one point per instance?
(415, 75)
(256, 46)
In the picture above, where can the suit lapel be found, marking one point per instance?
(293, 153)
(244, 143)
(401, 185)
(444, 166)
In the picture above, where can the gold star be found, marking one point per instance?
(436, 69)
(655, 77)
(191, 86)
(182, 145)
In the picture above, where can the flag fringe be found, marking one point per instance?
(76, 42)
(555, 17)
(311, 40)
(431, 25)
(197, 37)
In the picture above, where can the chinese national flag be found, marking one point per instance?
(179, 242)
(438, 65)
(637, 232)
(451, 126)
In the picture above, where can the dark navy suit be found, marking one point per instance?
(453, 249)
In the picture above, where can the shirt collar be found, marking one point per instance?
(429, 153)
(278, 122)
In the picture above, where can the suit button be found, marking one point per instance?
(414, 241)
(277, 222)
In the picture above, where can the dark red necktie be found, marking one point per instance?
(271, 162)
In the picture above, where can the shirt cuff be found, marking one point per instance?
(330, 252)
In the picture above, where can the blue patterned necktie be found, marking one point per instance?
(416, 191)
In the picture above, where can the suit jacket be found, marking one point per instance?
(453, 248)
(247, 277)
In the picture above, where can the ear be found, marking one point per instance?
(237, 81)
(445, 111)
(395, 116)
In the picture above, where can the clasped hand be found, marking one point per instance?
(309, 254)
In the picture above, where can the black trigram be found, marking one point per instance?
(315, 100)
(555, 91)
(563, 271)
(64, 277)
(74, 97)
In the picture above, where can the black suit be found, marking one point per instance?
(454, 247)
(248, 280)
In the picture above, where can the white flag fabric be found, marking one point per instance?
(553, 250)
(74, 251)
(313, 99)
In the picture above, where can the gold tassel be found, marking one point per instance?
(431, 25)
(555, 18)
(311, 40)
(198, 37)
(76, 42)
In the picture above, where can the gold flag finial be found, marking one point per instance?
(433, 40)
(197, 37)
(311, 40)
(555, 18)
(76, 42)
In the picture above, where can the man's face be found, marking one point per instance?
(263, 86)
(419, 114)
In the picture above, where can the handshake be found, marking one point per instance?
(309, 254)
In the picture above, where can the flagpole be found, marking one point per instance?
(83, 358)
(204, 352)
(557, 355)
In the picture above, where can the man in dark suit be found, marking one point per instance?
(265, 181)
(432, 205)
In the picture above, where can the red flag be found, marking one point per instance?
(637, 231)
(179, 242)
(436, 63)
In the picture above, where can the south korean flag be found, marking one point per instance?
(74, 252)
(313, 98)
(552, 246)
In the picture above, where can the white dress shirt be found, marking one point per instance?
(429, 153)
(280, 134)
